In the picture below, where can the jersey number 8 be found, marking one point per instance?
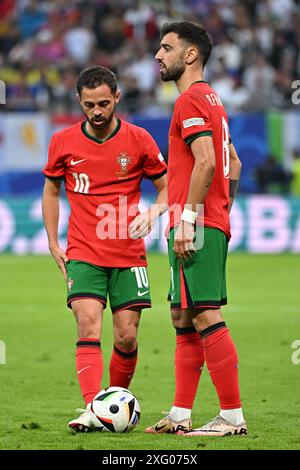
(225, 140)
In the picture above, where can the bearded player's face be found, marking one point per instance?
(171, 57)
(98, 105)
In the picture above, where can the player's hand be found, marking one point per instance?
(142, 224)
(61, 258)
(183, 241)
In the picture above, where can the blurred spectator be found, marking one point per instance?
(140, 21)
(234, 96)
(31, 19)
(264, 36)
(272, 177)
(230, 54)
(79, 40)
(295, 186)
(144, 69)
(258, 79)
(6, 9)
(110, 30)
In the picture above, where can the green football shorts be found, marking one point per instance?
(200, 281)
(126, 287)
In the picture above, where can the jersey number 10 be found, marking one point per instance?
(82, 183)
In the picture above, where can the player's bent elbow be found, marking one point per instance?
(237, 162)
(210, 168)
(207, 165)
(237, 166)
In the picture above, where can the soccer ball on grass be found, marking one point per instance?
(115, 409)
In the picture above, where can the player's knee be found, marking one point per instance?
(206, 318)
(180, 319)
(126, 340)
(176, 323)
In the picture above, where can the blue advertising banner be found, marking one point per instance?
(22, 158)
(249, 136)
(260, 224)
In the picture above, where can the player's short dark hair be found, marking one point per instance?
(192, 33)
(95, 76)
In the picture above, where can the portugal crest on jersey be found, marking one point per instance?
(123, 160)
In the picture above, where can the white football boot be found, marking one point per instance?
(85, 422)
(166, 425)
(218, 427)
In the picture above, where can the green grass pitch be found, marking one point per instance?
(39, 391)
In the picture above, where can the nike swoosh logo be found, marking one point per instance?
(73, 162)
(142, 293)
(158, 428)
(81, 370)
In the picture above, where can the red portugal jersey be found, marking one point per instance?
(102, 181)
(199, 111)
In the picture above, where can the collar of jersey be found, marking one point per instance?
(198, 81)
(95, 139)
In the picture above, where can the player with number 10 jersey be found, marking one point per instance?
(103, 161)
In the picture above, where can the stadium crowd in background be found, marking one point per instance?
(44, 44)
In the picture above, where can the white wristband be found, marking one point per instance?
(189, 216)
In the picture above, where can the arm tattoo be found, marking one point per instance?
(233, 185)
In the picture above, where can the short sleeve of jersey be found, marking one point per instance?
(55, 166)
(154, 164)
(193, 117)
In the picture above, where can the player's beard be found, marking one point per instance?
(101, 124)
(174, 72)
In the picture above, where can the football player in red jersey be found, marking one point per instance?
(102, 161)
(203, 172)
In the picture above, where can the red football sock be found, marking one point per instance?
(189, 360)
(89, 366)
(222, 363)
(122, 366)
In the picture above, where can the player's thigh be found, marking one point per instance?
(86, 281)
(128, 289)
